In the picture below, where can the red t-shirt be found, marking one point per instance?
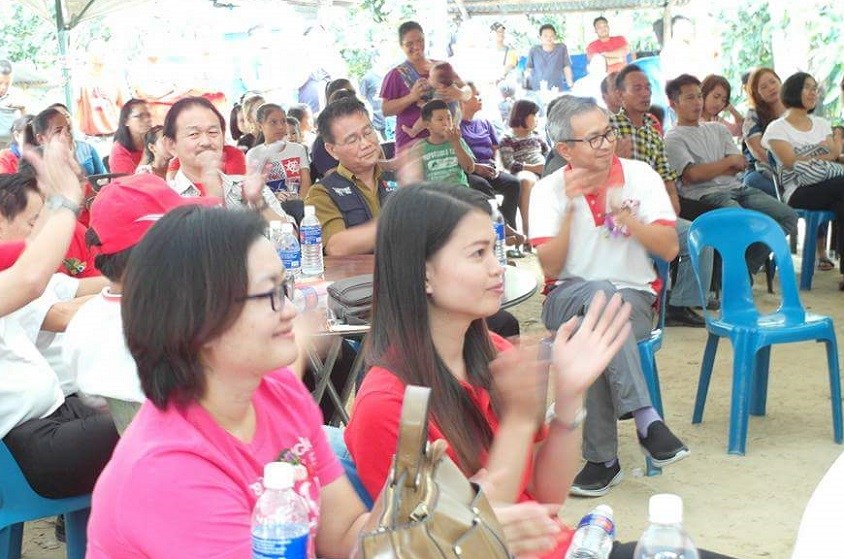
(8, 162)
(372, 433)
(78, 262)
(123, 160)
(599, 47)
(9, 253)
(232, 163)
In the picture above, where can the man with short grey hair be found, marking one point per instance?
(594, 224)
(10, 108)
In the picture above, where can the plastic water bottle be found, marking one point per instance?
(310, 234)
(594, 535)
(665, 537)
(500, 231)
(287, 245)
(280, 525)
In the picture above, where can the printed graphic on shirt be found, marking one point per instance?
(284, 175)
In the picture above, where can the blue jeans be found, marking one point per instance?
(338, 445)
(755, 199)
(683, 292)
(755, 179)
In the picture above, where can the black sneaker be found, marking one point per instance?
(595, 479)
(662, 446)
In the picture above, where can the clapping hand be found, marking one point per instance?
(57, 170)
(580, 181)
(254, 182)
(579, 357)
(520, 380)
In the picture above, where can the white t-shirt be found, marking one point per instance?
(804, 143)
(29, 388)
(286, 160)
(595, 252)
(95, 350)
(60, 288)
(818, 533)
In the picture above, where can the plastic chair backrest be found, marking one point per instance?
(662, 269)
(775, 168)
(730, 231)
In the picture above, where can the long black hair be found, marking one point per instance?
(122, 135)
(416, 223)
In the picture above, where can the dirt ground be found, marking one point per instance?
(745, 506)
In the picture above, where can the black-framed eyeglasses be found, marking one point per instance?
(597, 141)
(276, 295)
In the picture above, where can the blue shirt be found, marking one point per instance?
(89, 159)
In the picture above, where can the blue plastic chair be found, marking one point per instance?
(647, 353)
(730, 231)
(19, 504)
(814, 220)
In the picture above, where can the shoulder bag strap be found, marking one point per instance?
(413, 434)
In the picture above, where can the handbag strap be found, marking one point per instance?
(413, 434)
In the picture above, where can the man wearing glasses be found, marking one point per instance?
(641, 139)
(348, 201)
(594, 224)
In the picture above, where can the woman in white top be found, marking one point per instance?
(800, 136)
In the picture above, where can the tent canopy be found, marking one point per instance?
(504, 7)
(73, 12)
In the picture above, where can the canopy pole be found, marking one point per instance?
(64, 41)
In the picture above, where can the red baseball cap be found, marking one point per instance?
(9, 253)
(126, 208)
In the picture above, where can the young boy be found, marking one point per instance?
(444, 155)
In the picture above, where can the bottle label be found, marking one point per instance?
(280, 548)
(292, 259)
(309, 298)
(499, 230)
(311, 234)
(600, 521)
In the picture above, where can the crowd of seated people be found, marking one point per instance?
(188, 376)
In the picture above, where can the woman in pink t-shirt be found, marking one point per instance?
(207, 321)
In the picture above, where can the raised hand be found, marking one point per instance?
(57, 170)
(520, 380)
(254, 182)
(579, 357)
(420, 88)
(580, 181)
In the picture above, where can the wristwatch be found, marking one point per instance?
(552, 419)
(57, 202)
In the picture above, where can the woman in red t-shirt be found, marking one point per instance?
(436, 279)
(128, 148)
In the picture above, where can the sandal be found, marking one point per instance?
(825, 264)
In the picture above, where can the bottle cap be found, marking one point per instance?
(493, 204)
(287, 227)
(310, 210)
(665, 508)
(278, 475)
(606, 510)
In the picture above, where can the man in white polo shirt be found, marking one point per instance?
(594, 224)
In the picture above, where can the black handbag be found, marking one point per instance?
(351, 299)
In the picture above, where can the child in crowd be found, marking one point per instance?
(285, 163)
(508, 99)
(444, 155)
(523, 153)
(157, 158)
(294, 134)
(441, 77)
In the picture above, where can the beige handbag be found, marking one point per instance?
(428, 509)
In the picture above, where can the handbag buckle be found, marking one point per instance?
(420, 512)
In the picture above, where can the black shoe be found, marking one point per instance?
(595, 480)
(662, 446)
(60, 533)
(683, 316)
(713, 304)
